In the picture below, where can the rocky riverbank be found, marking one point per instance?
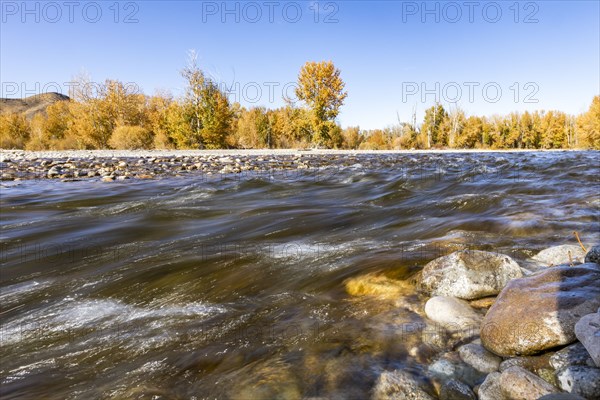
(499, 331)
(112, 165)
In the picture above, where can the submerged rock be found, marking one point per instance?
(402, 385)
(540, 311)
(587, 330)
(451, 367)
(378, 285)
(456, 390)
(469, 274)
(563, 254)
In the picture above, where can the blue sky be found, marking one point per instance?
(493, 57)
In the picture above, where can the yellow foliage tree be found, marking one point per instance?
(322, 89)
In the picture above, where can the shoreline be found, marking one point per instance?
(28, 154)
(112, 165)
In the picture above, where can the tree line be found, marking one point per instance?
(204, 118)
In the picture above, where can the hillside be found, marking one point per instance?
(31, 105)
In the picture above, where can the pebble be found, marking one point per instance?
(479, 358)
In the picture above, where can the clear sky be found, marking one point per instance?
(395, 56)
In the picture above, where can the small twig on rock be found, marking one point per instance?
(581, 244)
(570, 258)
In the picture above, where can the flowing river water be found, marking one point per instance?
(233, 286)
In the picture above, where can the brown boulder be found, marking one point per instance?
(540, 311)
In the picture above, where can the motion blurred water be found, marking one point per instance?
(232, 286)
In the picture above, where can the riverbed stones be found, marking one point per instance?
(574, 354)
(561, 396)
(456, 390)
(485, 302)
(469, 274)
(402, 385)
(452, 313)
(539, 365)
(581, 380)
(514, 383)
(593, 256)
(587, 330)
(540, 311)
(563, 254)
(450, 366)
(479, 358)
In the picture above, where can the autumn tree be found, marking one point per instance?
(431, 132)
(206, 109)
(588, 125)
(322, 89)
(553, 130)
(352, 137)
(158, 120)
(254, 128)
(14, 131)
(471, 134)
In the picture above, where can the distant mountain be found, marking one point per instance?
(31, 105)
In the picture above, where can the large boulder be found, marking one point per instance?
(587, 331)
(540, 311)
(563, 254)
(469, 274)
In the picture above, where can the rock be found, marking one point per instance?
(108, 179)
(593, 256)
(584, 381)
(530, 363)
(452, 313)
(485, 302)
(539, 365)
(563, 254)
(228, 169)
(469, 274)
(456, 390)
(561, 396)
(402, 385)
(451, 367)
(587, 330)
(479, 358)
(518, 383)
(52, 172)
(378, 285)
(555, 298)
(575, 354)
(490, 388)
